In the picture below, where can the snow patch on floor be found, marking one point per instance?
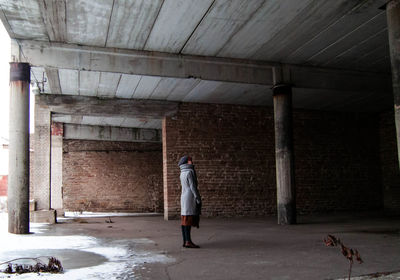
(122, 256)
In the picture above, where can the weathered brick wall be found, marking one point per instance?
(336, 159)
(112, 176)
(233, 151)
(3, 185)
(389, 163)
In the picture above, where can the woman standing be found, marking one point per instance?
(190, 200)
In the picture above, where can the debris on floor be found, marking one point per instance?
(83, 252)
(53, 266)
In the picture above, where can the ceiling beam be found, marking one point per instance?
(93, 106)
(54, 80)
(70, 56)
(109, 133)
(340, 80)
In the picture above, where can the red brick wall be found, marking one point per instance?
(3, 185)
(336, 159)
(232, 148)
(389, 163)
(57, 129)
(112, 176)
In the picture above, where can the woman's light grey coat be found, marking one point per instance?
(190, 194)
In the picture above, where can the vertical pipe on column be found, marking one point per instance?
(18, 183)
(286, 195)
(393, 22)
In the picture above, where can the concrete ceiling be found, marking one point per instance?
(348, 34)
(341, 34)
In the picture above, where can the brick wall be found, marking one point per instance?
(336, 159)
(57, 129)
(112, 176)
(232, 148)
(3, 185)
(389, 163)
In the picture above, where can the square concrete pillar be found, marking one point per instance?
(393, 23)
(41, 156)
(56, 167)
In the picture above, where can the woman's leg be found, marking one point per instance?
(184, 234)
(188, 238)
(189, 243)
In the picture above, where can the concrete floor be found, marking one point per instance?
(237, 248)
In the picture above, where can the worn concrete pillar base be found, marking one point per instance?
(43, 216)
(286, 214)
(60, 212)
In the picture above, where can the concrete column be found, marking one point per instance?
(393, 22)
(18, 180)
(285, 182)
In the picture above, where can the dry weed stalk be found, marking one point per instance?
(349, 253)
(53, 266)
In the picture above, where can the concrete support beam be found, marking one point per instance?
(285, 180)
(74, 57)
(54, 80)
(69, 56)
(93, 106)
(393, 22)
(108, 133)
(341, 80)
(18, 178)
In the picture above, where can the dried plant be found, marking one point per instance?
(53, 266)
(349, 253)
